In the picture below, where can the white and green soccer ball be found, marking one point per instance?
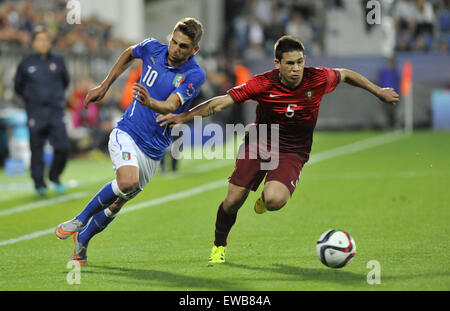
(335, 248)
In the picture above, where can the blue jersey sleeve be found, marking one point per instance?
(148, 46)
(190, 86)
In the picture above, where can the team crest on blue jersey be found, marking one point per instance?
(178, 80)
(126, 156)
(190, 89)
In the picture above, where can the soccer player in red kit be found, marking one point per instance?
(288, 96)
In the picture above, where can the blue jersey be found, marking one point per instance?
(160, 80)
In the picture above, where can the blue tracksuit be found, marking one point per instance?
(41, 82)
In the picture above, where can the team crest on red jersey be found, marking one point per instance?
(309, 94)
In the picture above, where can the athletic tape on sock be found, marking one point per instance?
(109, 213)
(125, 196)
(115, 188)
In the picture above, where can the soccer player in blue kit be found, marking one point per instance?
(171, 78)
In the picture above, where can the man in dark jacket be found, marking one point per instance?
(41, 80)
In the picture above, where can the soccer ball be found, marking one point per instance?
(335, 248)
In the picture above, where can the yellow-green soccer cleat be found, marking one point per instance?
(260, 206)
(217, 254)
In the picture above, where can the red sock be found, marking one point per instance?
(224, 222)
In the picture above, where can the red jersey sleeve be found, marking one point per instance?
(333, 79)
(249, 90)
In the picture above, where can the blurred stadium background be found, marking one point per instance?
(238, 42)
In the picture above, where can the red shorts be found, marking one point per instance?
(249, 174)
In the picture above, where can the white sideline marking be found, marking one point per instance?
(376, 175)
(318, 157)
(322, 156)
(15, 190)
(42, 203)
(27, 237)
(138, 206)
(176, 196)
(357, 146)
(205, 167)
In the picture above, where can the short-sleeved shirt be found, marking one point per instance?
(295, 111)
(160, 80)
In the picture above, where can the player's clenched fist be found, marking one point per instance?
(388, 95)
(94, 95)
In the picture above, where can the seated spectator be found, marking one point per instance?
(305, 9)
(300, 28)
(256, 39)
(276, 29)
(262, 9)
(18, 18)
(14, 26)
(404, 15)
(424, 20)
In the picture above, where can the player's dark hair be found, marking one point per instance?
(37, 30)
(287, 44)
(190, 27)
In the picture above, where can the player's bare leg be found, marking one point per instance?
(235, 198)
(274, 196)
(226, 217)
(116, 206)
(127, 178)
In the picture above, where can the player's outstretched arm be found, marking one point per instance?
(205, 109)
(96, 94)
(387, 95)
(140, 94)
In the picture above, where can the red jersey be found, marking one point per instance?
(295, 111)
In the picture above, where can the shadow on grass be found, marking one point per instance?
(340, 276)
(306, 274)
(165, 278)
(157, 278)
(228, 280)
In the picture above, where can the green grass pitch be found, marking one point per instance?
(393, 198)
